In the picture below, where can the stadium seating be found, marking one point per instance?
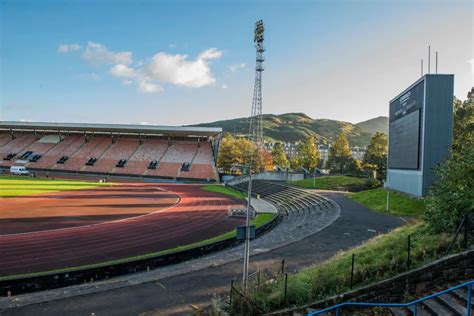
(200, 171)
(150, 150)
(153, 157)
(16, 146)
(204, 154)
(123, 148)
(66, 147)
(180, 152)
(95, 147)
(166, 169)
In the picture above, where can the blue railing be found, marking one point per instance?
(411, 305)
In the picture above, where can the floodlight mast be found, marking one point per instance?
(255, 134)
(256, 126)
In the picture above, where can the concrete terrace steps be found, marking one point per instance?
(291, 201)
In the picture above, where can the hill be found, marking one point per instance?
(378, 124)
(291, 127)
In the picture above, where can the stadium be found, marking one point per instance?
(142, 209)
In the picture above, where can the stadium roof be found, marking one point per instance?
(113, 128)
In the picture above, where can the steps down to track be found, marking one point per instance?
(452, 303)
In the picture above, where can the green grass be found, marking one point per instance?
(399, 204)
(11, 186)
(380, 258)
(329, 182)
(224, 190)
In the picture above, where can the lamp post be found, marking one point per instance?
(245, 272)
(247, 234)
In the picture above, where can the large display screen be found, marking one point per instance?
(404, 129)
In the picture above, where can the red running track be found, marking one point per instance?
(198, 215)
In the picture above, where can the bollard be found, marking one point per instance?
(352, 270)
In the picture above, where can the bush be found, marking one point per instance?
(373, 183)
(452, 196)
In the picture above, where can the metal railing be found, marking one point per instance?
(410, 305)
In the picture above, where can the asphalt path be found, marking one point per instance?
(175, 295)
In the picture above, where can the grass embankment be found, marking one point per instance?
(330, 182)
(380, 258)
(11, 186)
(224, 190)
(399, 204)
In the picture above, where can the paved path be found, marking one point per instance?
(173, 295)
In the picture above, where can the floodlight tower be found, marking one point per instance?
(255, 134)
(256, 126)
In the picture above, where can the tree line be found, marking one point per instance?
(238, 151)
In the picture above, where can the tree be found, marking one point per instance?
(295, 163)
(452, 195)
(340, 158)
(228, 152)
(463, 124)
(376, 155)
(279, 156)
(308, 154)
(266, 160)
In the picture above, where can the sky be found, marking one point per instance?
(185, 62)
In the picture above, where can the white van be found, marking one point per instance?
(19, 170)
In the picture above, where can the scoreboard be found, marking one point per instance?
(420, 132)
(404, 129)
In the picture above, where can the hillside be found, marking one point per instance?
(292, 127)
(378, 124)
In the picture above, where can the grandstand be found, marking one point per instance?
(148, 151)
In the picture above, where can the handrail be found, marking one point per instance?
(406, 305)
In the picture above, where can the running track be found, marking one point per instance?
(197, 215)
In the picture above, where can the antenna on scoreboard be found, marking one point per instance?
(436, 63)
(429, 58)
(421, 68)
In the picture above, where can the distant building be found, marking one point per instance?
(358, 153)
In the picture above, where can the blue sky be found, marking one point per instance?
(184, 62)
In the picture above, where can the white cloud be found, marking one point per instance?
(178, 70)
(172, 45)
(236, 67)
(122, 70)
(175, 69)
(224, 86)
(148, 87)
(66, 48)
(97, 53)
(211, 53)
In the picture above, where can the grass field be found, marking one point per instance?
(224, 190)
(399, 204)
(380, 258)
(329, 182)
(11, 186)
